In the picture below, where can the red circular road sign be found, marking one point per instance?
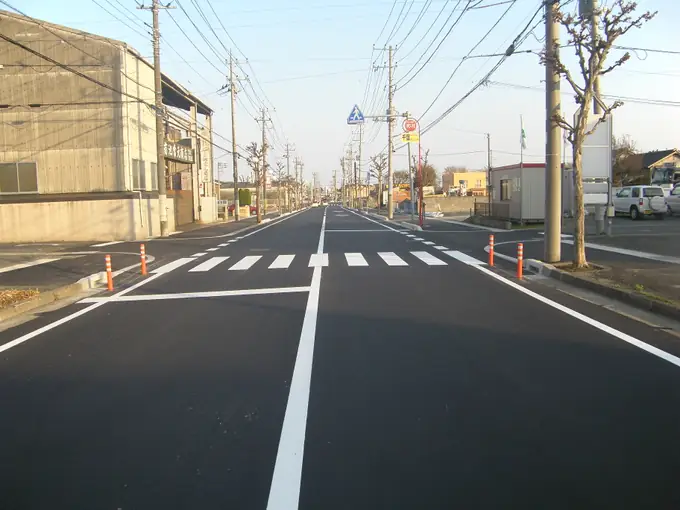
(410, 125)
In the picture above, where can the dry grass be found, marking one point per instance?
(9, 297)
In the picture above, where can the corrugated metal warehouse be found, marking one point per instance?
(78, 138)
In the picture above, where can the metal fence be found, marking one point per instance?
(492, 210)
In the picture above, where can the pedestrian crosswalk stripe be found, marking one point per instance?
(282, 262)
(223, 245)
(464, 257)
(392, 259)
(199, 254)
(245, 263)
(208, 265)
(441, 247)
(418, 239)
(428, 258)
(429, 243)
(355, 259)
(318, 260)
(212, 249)
(410, 235)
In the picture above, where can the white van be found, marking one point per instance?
(639, 201)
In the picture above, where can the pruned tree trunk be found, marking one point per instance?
(380, 187)
(579, 231)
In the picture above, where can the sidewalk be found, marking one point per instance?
(639, 277)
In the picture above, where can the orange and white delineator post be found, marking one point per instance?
(142, 254)
(109, 276)
(520, 259)
(491, 245)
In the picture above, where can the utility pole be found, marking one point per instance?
(302, 178)
(263, 172)
(232, 90)
(288, 201)
(489, 187)
(552, 249)
(160, 125)
(390, 125)
(335, 185)
(361, 142)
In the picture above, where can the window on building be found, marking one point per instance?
(478, 184)
(154, 176)
(138, 175)
(18, 177)
(506, 189)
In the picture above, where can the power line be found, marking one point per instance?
(398, 25)
(481, 40)
(419, 18)
(428, 30)
(438, 46)
(194, 44)
(394, 4)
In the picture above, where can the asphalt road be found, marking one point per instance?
(328, 360)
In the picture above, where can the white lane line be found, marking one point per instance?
(199, 254)
(469, 225)
(212, 249)
(372, 220)
(172, 265)
(223, 245)
(101, 245)
(208, 264)
(410, 235)
(64, 320)
(355, 260)
(428, 258)
(318, 260)
(245, 263)
(392, 259)
(441, 247)
(284, 493)
(282, 262)
(418, 239)
(630, 253)
(198, 295)
(429, 243)
(584, 318)
(464, 257)
(26, 264)
(361, 230)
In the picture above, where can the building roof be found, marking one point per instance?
(174, 94)
(649, 158)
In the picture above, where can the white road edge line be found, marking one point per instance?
(24, 265)
(584, 318)
(101, 245)
(72, 316)
(284, 493)
(373, 221)
(197, 295)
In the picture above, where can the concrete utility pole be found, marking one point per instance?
(288, 201)
(552, 250)
(232, 90)
(263, 172)
(390, 125)
(489, 187)
(335, 185)
(160, 125)
(302, 177)
(361, 142)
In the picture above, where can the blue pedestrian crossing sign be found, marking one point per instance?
(356, 117)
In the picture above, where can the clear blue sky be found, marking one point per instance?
(312, 60)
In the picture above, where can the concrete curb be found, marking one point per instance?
(50, 296)
(411, 226)
(626, 296)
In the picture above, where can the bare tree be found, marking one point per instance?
(591, 52)
(378, 167)
(280, 177)
(400, 177)
(623, 148)
(254, 159)
(429, 173)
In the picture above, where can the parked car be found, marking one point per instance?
(673, 200)
(253, 209)
(640, 201)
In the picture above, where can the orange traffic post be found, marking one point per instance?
(520, 259)
(109, 276)
(142, 253)
(491, 244)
